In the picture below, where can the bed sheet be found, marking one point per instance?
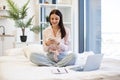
(20, 68)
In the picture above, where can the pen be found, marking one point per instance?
(66, 70)
(58, 70)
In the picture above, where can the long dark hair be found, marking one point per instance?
(61, 25)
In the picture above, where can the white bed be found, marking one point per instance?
(18, 67)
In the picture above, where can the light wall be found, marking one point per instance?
(75, 25)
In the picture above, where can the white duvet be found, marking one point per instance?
(20, 68)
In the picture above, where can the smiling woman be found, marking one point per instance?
(56, 43)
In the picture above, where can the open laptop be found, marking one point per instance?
(92, 63)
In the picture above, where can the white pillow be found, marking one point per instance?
(14, 52)
(81, 58)
(33, 48)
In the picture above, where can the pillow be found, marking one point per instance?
(33, 48)
(82, 57)
(14, 52)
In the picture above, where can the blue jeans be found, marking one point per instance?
(63, 59)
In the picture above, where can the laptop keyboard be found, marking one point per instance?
(77, 68)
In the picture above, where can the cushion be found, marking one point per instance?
(82, 57)
(14, 52)
(33, 48)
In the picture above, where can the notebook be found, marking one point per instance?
(93, 62)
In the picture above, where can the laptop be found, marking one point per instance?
(93, 62)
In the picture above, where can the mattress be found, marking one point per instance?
(20, 68)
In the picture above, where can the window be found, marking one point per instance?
(110, 26)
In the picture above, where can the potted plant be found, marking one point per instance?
(19, 16)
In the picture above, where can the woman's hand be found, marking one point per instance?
(51, 41)
(56, 42)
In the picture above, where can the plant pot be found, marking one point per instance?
(23, 38)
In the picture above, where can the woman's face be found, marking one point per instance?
(54, 19)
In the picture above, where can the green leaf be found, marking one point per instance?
(13, 10)
(28, 23)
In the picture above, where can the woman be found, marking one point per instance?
(56, 43)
